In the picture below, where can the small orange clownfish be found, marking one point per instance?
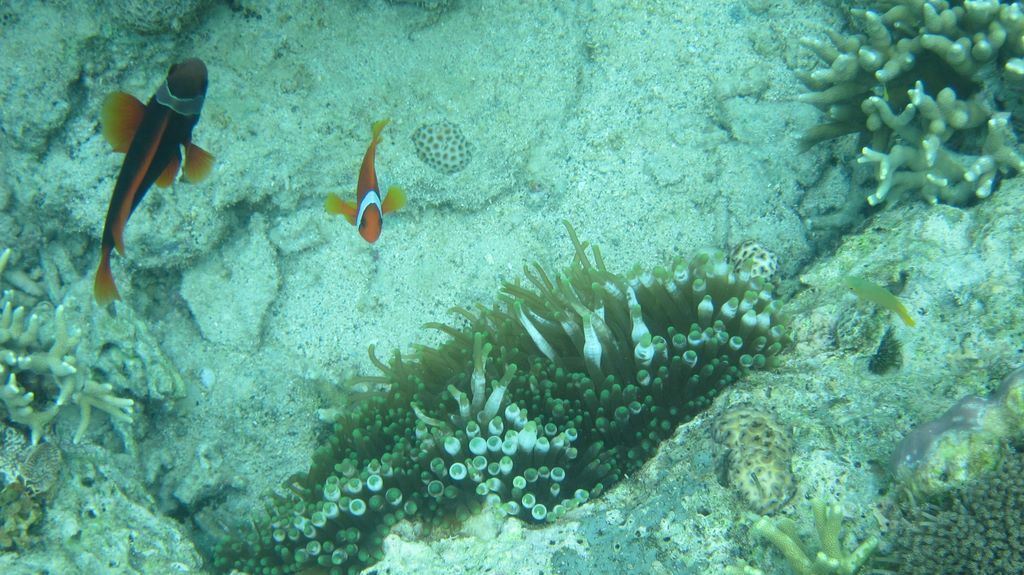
(153, 137)
(368, 211)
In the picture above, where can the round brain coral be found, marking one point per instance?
(758, 453)
(442, 146)
(762, 262)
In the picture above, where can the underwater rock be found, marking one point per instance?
(43, 48)
(248, 266)
(101, 519)
(156, 16)
(967, 441)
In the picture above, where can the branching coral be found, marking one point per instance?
(831, 559)
(42, 362)
(38, 373)
(922, 85)
(533, 406)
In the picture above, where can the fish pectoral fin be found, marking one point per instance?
(120, 118)
(198, 163)
(170, 172)
(394, 199)
(337, 206)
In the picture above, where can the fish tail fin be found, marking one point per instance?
(337, 206)
(394, 199)
(104, 289)
(378, 126)
(907, 318)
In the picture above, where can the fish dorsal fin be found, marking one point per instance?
(120, 117)
(170, 172)
(395, 199)
(198, 163)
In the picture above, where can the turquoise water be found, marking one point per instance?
(657, 129)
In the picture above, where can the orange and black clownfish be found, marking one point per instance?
(153, 137)
(367, 213)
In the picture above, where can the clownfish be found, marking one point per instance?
(153, 137)
(367, 213)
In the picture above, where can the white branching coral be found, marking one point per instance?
(929, 85)
(38, 373)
